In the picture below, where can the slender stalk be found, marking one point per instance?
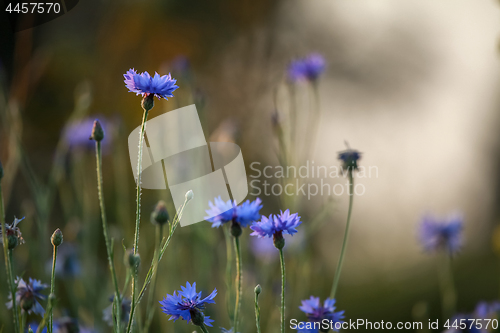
(346, 236)
(229, 262)
(137, 216)
(283, 280)
(204, 328)
(447, 286)
(257, 311)
(45, 318)
(23, 321)
(8, 263)
(52, 287)
(239, 290)
(150, 311)
(109, 248)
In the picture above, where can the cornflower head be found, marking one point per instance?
(241, 216)
(28, 294)
(149, 86)
(275, 225)
(444, 235)
(14, 236)
(349, 158)
(316, 312)
(484, 311)
(188, 305)
(308, 68)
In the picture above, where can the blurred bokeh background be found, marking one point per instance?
(412, 84)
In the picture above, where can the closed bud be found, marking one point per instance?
(279, 241)
(197, 317)
(258, 289)
(160, 214)
(148, 102)
(189, 195)
(57, 237)
(132, 260)
(97, 132)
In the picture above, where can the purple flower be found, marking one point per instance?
(28, 294)
(188, 304)
(276, 224)
(443, 235)
(316, 312)
(349, 158)
(144, 84)
(221, 212)
(14, 236)
(308, 68)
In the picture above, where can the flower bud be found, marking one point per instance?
(160, 214)
(12, 240)
(57, 237)
(132, 260)
(258, 289)
(97, 132)
(197, 317)
(148, 102)
(189, 195)
(278, 240)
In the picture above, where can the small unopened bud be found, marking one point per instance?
(1, 170)
(279, 241)
(97, 132)
(197, 317)
(148, 102)
(160, 214)
(258, 289)
(57, 237)
(189, 195)
(132, 260)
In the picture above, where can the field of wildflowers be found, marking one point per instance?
(86, 249)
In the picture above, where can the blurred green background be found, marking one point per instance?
(412, 84)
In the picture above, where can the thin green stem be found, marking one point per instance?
(447, 286)
(52, 287)
(137, 217)
(346, 236)
(109, 248)
(150, 310)
(8, 264)
(45, 318)
(239, 277)
(23, 321)
(204, 328)
(229, 262)
(257, 312)
(283, 280)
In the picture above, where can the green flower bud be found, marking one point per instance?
(12, 240)
(189, 195)
(258, 289)
(132, 260)
(160, 214)
(57, 237)
(97, 132)
(148, 102)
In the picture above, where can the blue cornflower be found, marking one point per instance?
(187, 304)
(316, 312)
(308, 68)
(275, 225)
(28, 294)
(14, 235)
(144, 84)
(444, 235)
(349, 158)
(487, 310)
(221, 212)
